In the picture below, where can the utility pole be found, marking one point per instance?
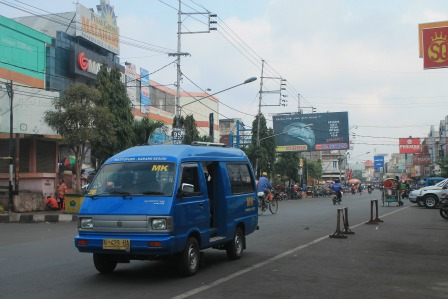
(11, 145)
(179, 53)
(260, 97)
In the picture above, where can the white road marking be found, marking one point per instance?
(268, 261)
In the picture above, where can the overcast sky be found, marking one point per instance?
(351, 55)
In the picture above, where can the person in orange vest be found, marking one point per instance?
(51, 203)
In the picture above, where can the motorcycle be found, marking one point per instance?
(443, 207)
(353, 191)
(337, 198)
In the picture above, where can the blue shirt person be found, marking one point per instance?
(263, 184)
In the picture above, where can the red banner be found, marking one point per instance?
(422, 159)
(435, 47)
(409, 145)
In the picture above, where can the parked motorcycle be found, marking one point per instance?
(443, 206)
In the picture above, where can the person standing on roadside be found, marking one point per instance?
(62, 190)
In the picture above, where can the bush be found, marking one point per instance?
(2, 209)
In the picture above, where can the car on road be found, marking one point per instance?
(429, 196)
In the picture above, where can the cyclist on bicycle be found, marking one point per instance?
(264, 185)
(337, 188)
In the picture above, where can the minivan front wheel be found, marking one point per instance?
(104, 263)
(430, 201)
(189, 259)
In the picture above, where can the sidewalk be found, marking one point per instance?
(38, 216)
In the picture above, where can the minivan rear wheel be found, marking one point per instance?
(235, 247)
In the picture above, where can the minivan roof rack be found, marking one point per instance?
(202, 143)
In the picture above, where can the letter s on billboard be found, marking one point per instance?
(409, 145)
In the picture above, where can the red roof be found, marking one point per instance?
(368, 163)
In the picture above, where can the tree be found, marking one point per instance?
(443, 163)
(265, 153)
(315, 169)
(287, 165)
(191, 129)
(143, 129)
(114, 97)
(79, 118)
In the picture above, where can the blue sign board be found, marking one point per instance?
(144, 91)
(378, 162)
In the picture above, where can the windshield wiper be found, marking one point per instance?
(122, 193)
(153, 193)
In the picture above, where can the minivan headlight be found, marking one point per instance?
(86, 223)
(158, 224)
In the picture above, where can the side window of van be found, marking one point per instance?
(240, 179)
(190, 176)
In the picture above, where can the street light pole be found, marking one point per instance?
(252, 79)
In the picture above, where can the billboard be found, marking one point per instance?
(131, 84)
(311, 132)
(409, 145)
(101, 30)
(422, 159)
(435, 46)
(378, 162)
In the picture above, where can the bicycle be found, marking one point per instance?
(265, 203)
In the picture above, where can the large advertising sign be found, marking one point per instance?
(409, 145)
(144, 91)
(28, 110)
(131, 84)
(435, 47)
(86, 63)
(101, 29)
(422, 159)
(311, 132)
(378, 162)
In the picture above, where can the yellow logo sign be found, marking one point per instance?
(159, 168)
(249, 201)
(437, 50)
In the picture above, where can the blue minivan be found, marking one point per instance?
(155, 201)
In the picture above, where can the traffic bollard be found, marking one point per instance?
(377, 220)
(346, 230)
(338, 233)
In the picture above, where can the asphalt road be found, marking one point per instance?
(291, 256)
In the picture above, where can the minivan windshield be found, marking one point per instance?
(134, 178)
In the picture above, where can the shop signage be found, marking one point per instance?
(87, 63)
(422, 159)
(435, 47)
(99, 28)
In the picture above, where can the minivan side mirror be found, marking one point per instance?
(187, 188)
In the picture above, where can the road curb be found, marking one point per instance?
(30, 218)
